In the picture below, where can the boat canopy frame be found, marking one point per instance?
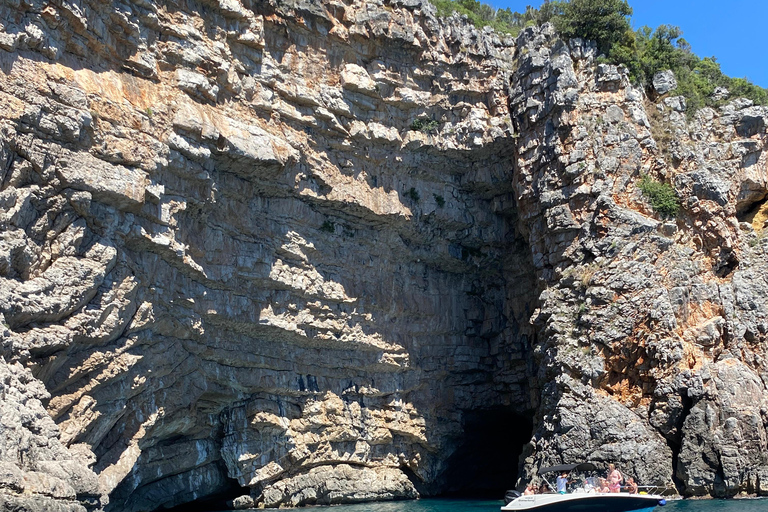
(580, 466)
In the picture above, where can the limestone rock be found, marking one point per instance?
(37, 472)
(242, 502)
(664, 81)
(114, 184)
(356, 78)
(634, 327)
(228, 253)
(327, 485)
(720, 93)
(196, 220)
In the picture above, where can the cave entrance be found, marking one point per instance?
(219, 500)
(487, 462)
(755, 213)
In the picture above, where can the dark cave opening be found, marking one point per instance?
(676, 444)
(220, 500)
(487, 462)
(750, 207)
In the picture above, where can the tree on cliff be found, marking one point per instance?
(603, 21)
(645, 51)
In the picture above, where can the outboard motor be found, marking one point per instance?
(510, 495)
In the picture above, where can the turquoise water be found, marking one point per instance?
(446, 505)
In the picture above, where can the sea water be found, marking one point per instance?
(450, 505)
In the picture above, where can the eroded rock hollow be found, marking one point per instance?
(297, 252)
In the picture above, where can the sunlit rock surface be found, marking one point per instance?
(302, 252)
(651, 331)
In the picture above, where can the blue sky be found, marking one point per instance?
(734, 31)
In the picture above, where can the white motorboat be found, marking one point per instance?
(586, 502)
(582, 500)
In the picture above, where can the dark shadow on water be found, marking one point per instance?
(460, 505)
(425, 505)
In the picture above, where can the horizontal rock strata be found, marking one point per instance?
(233, 262)
(295, 251)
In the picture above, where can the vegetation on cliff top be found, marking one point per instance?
(644, 51)
(483, 15)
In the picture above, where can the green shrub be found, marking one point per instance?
(651, 51)
(501, 20)
(328, 227)
(607, 22)
(413, 194)
(424, 125)
(439, 200)
(662, 196)
(603, 21)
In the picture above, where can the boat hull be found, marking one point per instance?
(584, 503)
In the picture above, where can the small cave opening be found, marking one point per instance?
(726, 263)
(754, 211)
(221, 499)
(487, 462)
(675, 443)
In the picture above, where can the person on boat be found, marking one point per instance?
(529, 490)
(614, 479)
(543, 488)
(631, 485)
(562, 483)
(603, 485)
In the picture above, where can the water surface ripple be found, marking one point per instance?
(454, 505)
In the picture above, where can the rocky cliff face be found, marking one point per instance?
(305, 252)
(652, 332)
(233, 264)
